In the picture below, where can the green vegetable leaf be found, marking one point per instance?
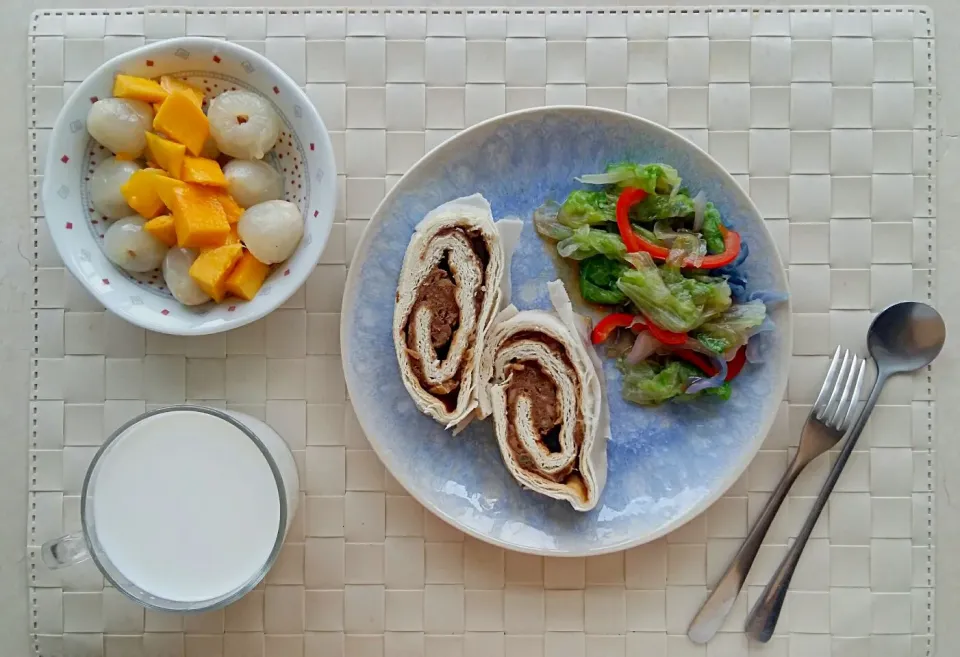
(649, 382)
(595, 294)
(714, 344)
(545, 221)
(587, 208)
(661, 206)
(598, 280)
(733, 327)
(668, 298)
(652, 178)
(712, 234)
(586, 242)
(722, 392)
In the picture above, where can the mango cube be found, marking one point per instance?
(199, 220)
(247, 277)
(230, 207)
(180, 119)
(141, 194)
(233, 237)
(163, 229)
(165, 187)
(145, 89)
(203, 171)
(171, 84)
(168, 154)
(212, 268)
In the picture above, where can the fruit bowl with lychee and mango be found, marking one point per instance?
(190, 186)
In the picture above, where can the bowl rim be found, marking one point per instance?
(746, 456)
(324, 146)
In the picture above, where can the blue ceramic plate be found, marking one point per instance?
(666, 464)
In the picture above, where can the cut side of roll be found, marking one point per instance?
(448, 294)
(543, 385)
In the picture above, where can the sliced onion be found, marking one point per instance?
(640, 260)
(714, 381)
(609, 178)
(664, 232)
(699, 210)
(545, 221)
(643, 347)
(690, 249)
(621, 345)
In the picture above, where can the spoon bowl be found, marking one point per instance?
(905, 337)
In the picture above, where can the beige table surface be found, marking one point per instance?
(16, 284)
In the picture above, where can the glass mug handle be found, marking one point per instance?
(64, 551)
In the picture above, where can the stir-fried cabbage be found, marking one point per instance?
(651, 178)
(671, 300)
(732, 328)
(650, 382)
(711, 229)
(659, 206)
(584, 242)
(586, 208)
(598, 280)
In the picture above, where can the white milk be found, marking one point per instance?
(186, 506)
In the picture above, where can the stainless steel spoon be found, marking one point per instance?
(905, 337)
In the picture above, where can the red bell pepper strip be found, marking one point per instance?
(735, 365)
(628, 198)
(665, 336)
(698, 360)
(731, 244)
(634, 242)
(608, 325)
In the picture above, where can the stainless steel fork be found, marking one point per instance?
(829, 419)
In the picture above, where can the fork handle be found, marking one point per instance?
(762, 620)
(718, 605)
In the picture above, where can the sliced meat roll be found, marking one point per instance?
(447, 297)
(543, 385)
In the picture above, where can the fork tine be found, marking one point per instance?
(855, 399)
(827, 385)
(837, 385)
(842, 407)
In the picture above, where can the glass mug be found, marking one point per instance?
(184, 509)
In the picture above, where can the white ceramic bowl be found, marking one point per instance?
(303, 154)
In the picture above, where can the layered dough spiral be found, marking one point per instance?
(543, 386)
(448, 294)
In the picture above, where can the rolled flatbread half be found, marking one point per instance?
(447, 296)
(544, 389)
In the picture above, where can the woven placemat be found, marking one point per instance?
(826, 117)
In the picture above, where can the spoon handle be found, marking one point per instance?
(762, 620)
(717, 606)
